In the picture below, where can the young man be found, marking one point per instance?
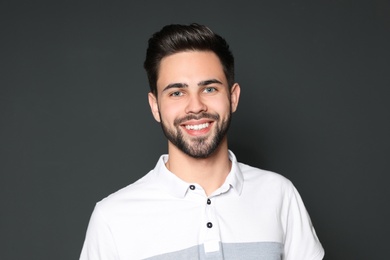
(199, 202)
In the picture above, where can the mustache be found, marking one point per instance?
(202, 115)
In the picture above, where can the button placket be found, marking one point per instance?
(210, 228)
(209, 214)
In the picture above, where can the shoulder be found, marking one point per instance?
(128, 197)
(261, 184)
(259, 176)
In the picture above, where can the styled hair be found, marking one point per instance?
(177, 38)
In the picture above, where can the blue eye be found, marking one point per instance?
(210, 89)
(176, 94)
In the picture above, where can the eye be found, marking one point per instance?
(209, 89)
(176, 94)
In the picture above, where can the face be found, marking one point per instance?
(194, 103)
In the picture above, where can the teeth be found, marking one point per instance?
(197, 127)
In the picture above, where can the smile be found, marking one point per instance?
(197, 127)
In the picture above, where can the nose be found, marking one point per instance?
(195, 105)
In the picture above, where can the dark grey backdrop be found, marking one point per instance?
(75, 123)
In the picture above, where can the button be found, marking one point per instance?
(208, 201)
(209, 224)
(192, 187)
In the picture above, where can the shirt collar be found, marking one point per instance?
(168, 181)
(235, 178)
(172, 184)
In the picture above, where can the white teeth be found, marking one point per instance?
(197, 127)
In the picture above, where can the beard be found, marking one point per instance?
(197, 147)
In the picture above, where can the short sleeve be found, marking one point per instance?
(301, 241)
(99, 243)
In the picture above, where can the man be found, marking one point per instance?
(199, 202)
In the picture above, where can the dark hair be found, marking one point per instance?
(176, 38)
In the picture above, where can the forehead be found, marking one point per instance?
(190, 66)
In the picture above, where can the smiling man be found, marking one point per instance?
(193, 102)
(199, 202)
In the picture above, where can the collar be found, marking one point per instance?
(172, 184)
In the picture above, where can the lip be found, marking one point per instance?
(197, 132)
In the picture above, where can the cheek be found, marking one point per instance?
(169, 113)
(222, 106)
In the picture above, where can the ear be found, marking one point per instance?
(235, 96)
(154, 106)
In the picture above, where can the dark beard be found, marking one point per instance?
(197, 146)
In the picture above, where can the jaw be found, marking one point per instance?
(197, 138)
(195, 144)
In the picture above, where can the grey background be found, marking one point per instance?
(75, 125)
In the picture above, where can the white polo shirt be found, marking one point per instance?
(255, 214)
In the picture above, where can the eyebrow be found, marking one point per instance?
(184, 85)
(175, 85)
(209, 82)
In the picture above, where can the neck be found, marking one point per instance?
(210, 172)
